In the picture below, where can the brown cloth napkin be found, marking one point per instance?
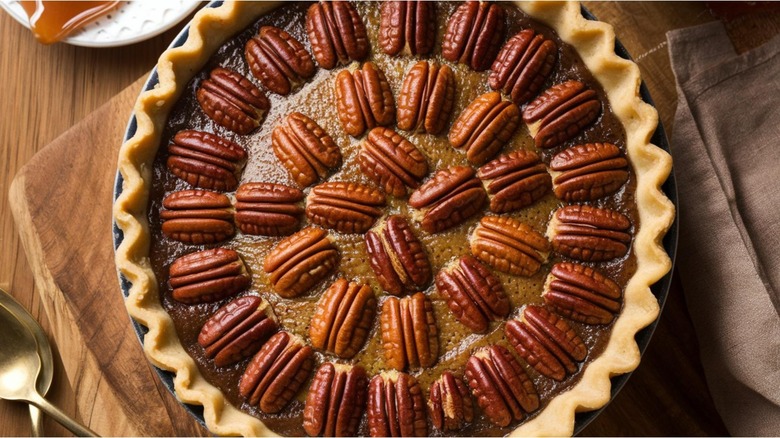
(726, 148)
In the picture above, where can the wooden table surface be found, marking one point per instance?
(47, 89)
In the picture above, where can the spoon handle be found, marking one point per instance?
(61, 417)
(37, 421)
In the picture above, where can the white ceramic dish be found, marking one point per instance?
(131, 22)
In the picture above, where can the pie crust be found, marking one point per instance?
(593, 40)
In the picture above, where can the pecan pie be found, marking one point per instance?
(407, 218)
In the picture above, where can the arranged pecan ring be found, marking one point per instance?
(364, 99)
(207, 276)
(268, 209)
(344, 207)
(278, 60)
(509, 245)
(409, 333)
(343, 318)
(582, 294)
(232, 101)
(197, 217)
(236, 331)
(407, 26)
(449, 198)
(546, 342)
(336, 400)
(392, 161)
(205, 160)
(449, 403)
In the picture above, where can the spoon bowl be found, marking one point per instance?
(19, 369)
(44, 351)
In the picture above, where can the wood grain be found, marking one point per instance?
(70, 285)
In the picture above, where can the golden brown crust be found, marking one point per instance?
(210, 28)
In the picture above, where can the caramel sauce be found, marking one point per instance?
(52, 21)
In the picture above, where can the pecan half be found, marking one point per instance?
(589, 234)
(364, 99)
(305, 149)
(509, 245)
(427, 98)
(392, 161)
(232, 101)
(207, 276)
(409, 25)
(474, 34)
(396, 406)
(343, 318)
(502, 388)
(546, 342)
(197, 217)
(449, 198)
(236, 331)
(397, 256)
(300, 261)
(337, 33)
(277, 372)
(515, 180)
(561, 113)
(409, 333)
(336, 400)
(278, 60)
(474, 295)
(484, 127)
(587, 172)
(268, 209)
(449, 403)
(205, 160)
(582, 294)
(344, 207)
(523, 65)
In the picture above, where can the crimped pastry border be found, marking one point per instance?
(594, 41)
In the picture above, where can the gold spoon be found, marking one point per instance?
(44, 351)
(19, 368)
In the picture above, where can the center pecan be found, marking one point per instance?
(344, 207)
(409, 25)
(343, 318)
(474, 34)
(300, 261)
(397, 256)
(509, 245)
(449, 198)
(484, 127)
(278, 60)
(197, 217)
(392, 161)
(409, 333)
(232, 101)
(427, 98)
(364, 99)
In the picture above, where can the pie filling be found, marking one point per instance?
(316, 99)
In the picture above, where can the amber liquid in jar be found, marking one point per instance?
(51, 21)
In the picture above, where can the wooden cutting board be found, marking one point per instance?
(61, 202)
